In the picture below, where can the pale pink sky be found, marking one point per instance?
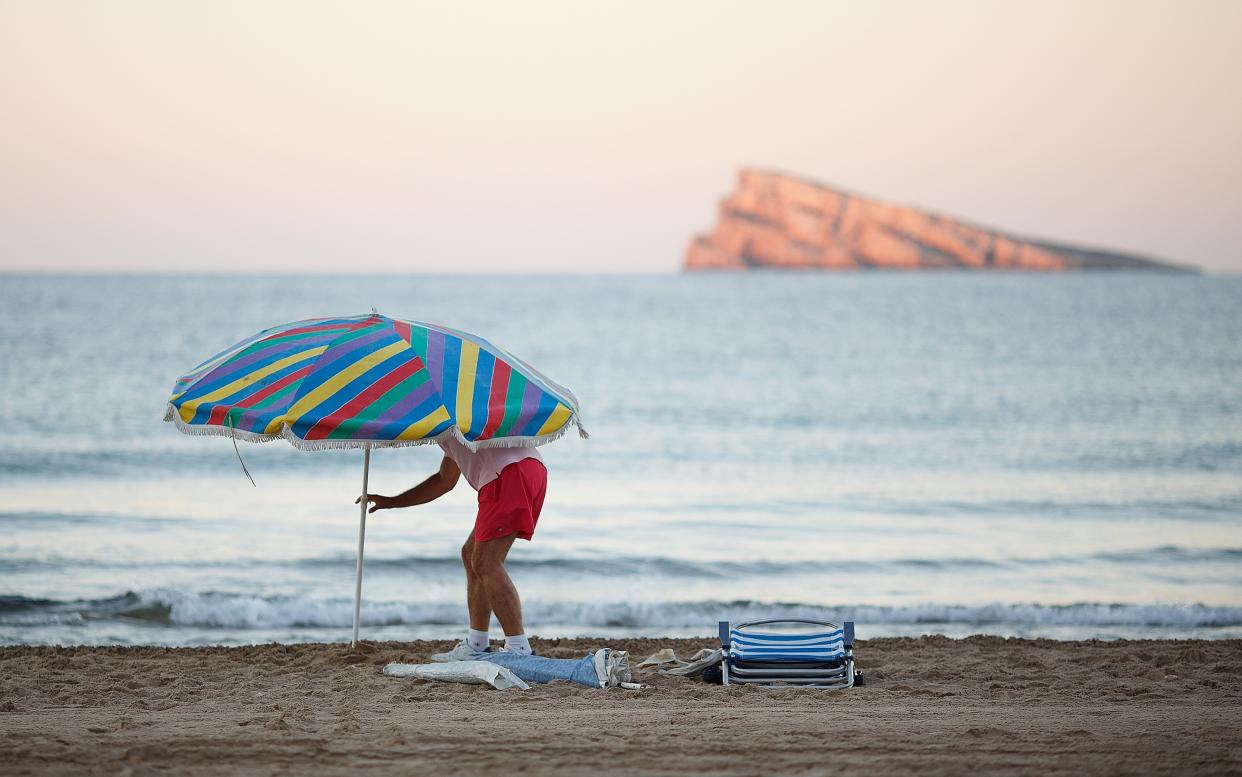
(593, 136)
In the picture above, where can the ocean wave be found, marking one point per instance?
(234, 611)
(620, 566)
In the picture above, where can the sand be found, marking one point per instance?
(931, 706)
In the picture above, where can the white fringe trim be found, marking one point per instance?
(215, 430)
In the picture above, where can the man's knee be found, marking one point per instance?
(485, 560)
(484, 566)
(467, 557)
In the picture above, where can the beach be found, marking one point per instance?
(335, 339)
(931, 705)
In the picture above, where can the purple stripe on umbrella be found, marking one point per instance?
(435, 358)
(530, 405)
(257, 420)
(368, 430)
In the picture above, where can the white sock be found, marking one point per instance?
(518, 644)
(477, 640)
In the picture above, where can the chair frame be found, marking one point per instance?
(827, 675)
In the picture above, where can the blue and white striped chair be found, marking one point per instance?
(811, 654)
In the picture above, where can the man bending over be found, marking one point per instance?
(511, 483)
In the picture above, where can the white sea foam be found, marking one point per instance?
(238, 611)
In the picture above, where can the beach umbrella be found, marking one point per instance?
(370, 382)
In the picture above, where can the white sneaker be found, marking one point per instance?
(460, 652)
(513, 652)
(612, 667)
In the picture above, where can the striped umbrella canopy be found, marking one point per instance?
(368, 382)
(371, 382)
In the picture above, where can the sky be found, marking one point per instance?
(597, 136)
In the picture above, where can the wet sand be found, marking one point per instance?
(931, 706)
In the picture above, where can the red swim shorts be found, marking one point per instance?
(510, 504)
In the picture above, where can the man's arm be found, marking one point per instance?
(433, 487)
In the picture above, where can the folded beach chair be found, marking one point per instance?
(811, 654)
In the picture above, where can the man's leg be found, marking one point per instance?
(476, 596)
(488, 564)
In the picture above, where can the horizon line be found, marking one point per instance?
(680, 271)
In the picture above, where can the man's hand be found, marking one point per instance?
(379, 502)
(433, 487)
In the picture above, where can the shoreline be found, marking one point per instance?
(931, 704)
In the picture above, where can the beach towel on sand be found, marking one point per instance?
(476, 672)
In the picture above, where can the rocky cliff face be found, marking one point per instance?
(774, 220)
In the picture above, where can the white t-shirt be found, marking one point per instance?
(484, 465)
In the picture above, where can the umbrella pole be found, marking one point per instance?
(362, 534)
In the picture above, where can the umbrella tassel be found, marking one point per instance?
(238, 452)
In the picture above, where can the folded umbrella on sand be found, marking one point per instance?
(371, 382)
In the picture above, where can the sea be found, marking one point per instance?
(1027, 455)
